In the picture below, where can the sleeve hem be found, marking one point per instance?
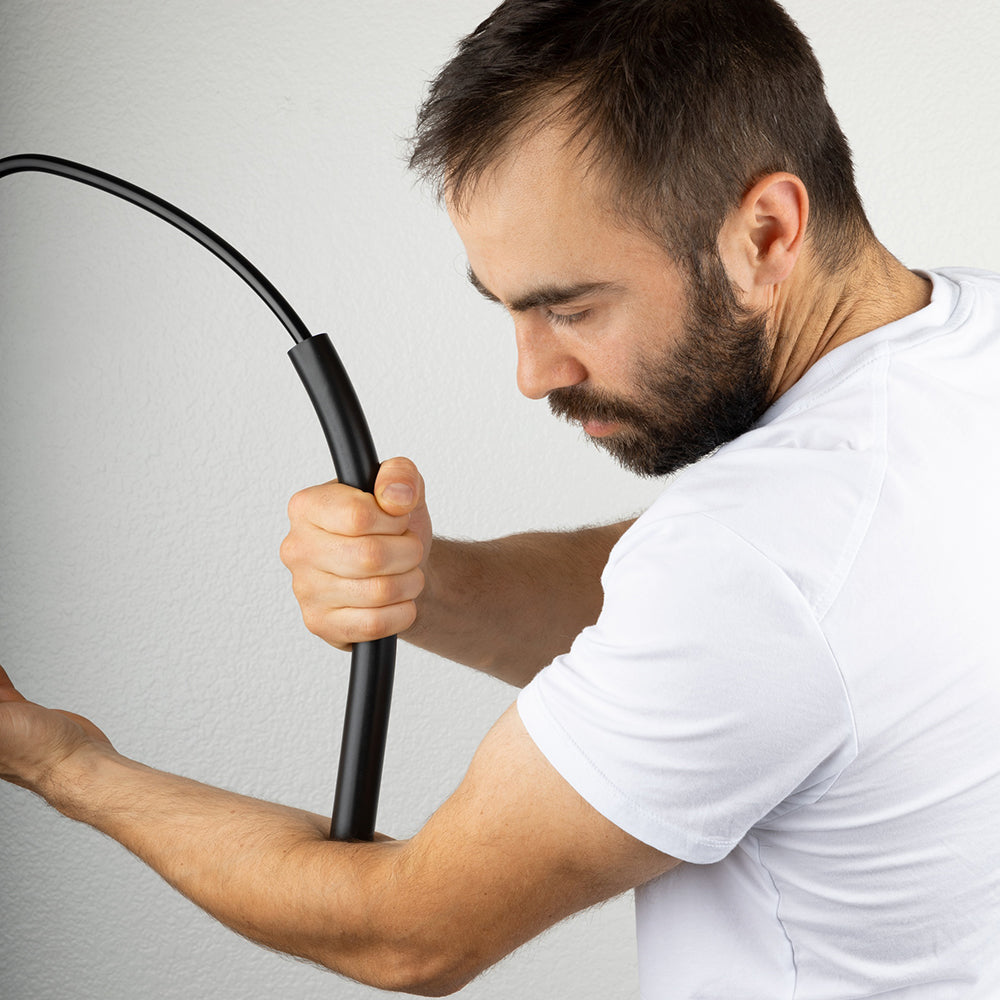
(572, 763)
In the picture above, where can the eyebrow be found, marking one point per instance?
(545, 295)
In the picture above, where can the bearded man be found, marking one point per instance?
(768, 704)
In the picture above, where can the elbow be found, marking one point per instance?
(427, 975)
(417, 971)
(435, 985)
(410, 937)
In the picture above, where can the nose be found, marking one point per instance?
(543, 362)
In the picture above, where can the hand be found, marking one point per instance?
(34, 740)
(357, 560)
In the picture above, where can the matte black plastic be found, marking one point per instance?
(343, 421)
(362, 747)
(369, 693)
(340, 414)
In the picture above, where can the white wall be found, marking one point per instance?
(151, 430)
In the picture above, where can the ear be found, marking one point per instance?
(761, 239)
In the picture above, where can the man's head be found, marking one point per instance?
(602, 147)
(682, 104)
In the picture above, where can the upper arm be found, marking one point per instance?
(514, 850)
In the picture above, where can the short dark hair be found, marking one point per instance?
(684, 104)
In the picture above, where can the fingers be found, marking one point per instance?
(328, 592)
(399, 490)
(343, 627)
(343, 510)
(351, 557)
(356, 559)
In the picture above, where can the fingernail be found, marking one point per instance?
(398, 494)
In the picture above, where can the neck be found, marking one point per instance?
(814, 312)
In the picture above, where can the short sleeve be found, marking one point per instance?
(705, 699)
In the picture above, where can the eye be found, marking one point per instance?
(564, 319)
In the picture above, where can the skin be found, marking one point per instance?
(427, 914)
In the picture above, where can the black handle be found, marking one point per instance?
(369, 693)
(340, 413)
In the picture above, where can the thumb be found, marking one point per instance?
(7, 690)
(399, 488)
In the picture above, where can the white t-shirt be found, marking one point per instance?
(794, 683)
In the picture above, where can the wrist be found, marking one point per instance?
(434, 603)
(72, 786)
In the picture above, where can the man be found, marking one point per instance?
(768, 703)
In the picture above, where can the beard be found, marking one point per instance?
(707, 389)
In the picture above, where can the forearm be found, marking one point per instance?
(267, 871)
(508, 607)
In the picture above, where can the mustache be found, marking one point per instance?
(578, 404)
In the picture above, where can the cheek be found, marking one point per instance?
(647, 340)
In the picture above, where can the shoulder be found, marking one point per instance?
(788, 500)
(707, 678)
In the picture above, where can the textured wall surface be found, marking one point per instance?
(151, 430)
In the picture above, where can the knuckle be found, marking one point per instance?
(381, 591)
(359, 517)
(302, 590)
(288, 551)
(368, 628)
(297, 505)
(418, 547)
(369, 555)
(314, 620)
(410, 616)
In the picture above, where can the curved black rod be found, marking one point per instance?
(354, 457)
(169, 213)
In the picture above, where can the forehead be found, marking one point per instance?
(543, 176)
(541, 213)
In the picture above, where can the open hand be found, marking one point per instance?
(36, 740)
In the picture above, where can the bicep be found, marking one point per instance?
(513, 851)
